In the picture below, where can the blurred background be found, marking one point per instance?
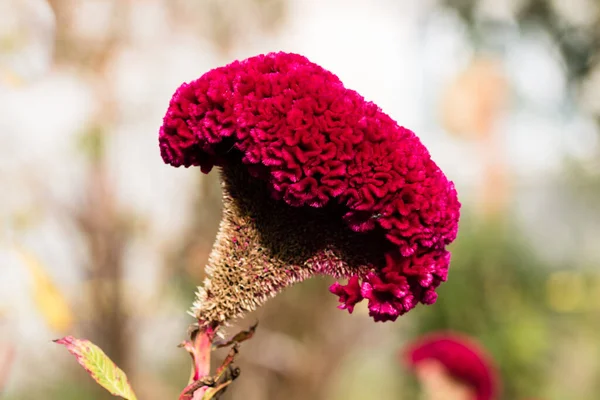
(101, 240)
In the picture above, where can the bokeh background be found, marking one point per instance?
(101, 240)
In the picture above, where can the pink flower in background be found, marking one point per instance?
(462, 358)
(315, 145)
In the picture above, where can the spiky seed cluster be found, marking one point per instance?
(263, 246)
(323, 163)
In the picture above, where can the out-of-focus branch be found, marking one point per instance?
(99, 219)
(6, 361)
(227, 22)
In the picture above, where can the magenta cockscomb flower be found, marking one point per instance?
(317, 180)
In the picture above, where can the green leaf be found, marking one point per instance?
(99, 366)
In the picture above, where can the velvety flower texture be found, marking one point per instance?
(317, 144)
(464, 360)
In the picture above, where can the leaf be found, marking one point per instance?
(238, 338)
(99, 366)
(49, 300)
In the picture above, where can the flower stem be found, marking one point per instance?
(202, 385)
(199, 346)
(202, 347)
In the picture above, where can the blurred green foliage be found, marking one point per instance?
(496, 293)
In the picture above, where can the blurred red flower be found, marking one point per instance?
(463, 359)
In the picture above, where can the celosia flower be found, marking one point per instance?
(462, 358)
(316, 180)
(349, 294)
